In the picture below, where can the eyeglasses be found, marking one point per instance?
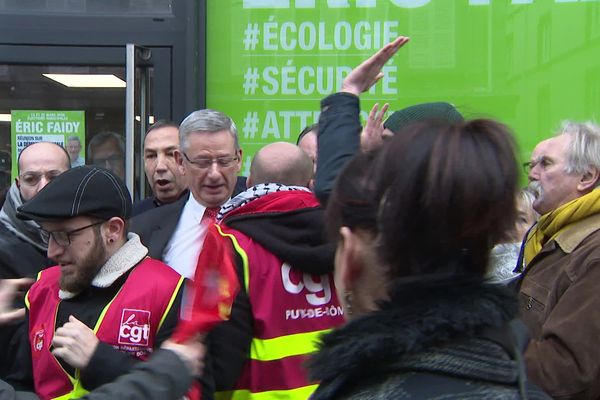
(63, 238)
(110, 160)
(204, 163)
(543, 161)
(33, 178)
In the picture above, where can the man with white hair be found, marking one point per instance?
(560, 302)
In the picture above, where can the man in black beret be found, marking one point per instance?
(105, 304)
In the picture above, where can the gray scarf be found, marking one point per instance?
(28, 231)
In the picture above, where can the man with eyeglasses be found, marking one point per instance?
(105, 305)
(560, 302)
(22, 248)
(210, 157)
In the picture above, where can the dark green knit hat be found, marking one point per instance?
(421, 112)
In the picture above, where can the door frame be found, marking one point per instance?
(160, 61)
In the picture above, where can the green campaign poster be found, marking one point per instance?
(60, 127)
(528, 63)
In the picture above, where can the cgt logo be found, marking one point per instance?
(294, 282)
(38, 340)
(135, 327)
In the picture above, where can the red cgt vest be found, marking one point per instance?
(129, 322)
(291, 310)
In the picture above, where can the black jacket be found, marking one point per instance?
(428, 342)
(338, 139)
(156, 225)
(19, 259)
(164, 376)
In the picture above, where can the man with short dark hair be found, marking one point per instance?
(164, 175)
(307, 141)
(105, 304)
(560, 303)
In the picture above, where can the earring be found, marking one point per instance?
(111, 240)
(348, 299)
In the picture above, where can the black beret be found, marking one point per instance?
(87, 190)
(421, 112)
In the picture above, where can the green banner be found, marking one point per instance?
(32, 126)
(530, 64)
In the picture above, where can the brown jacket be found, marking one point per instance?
(560, 304)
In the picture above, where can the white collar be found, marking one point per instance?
(194, 207)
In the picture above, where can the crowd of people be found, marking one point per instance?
(399, 259)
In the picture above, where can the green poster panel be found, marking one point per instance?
(530, 64)
(32, 126)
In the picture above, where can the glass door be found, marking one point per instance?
(95, 101)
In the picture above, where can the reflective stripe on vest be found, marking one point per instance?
(301, 393)
(285, 346)
(77, 392)
(242, 254)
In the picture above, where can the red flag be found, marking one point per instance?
(210, 296)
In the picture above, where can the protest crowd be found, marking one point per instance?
(399, 259)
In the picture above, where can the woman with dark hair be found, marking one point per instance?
(414, 226)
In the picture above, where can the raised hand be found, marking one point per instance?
(371, 136)
(369, 72)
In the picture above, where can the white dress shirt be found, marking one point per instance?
(184, 247)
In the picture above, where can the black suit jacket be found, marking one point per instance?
(156, 226)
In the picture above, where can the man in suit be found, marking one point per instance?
(210, 157)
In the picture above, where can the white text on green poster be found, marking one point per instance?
(33, 126)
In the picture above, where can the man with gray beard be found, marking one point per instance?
(105, 305)
(560, 302)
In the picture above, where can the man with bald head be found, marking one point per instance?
(287, 298)
(280, 162)
(22, 248)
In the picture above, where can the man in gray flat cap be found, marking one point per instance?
(105, 304)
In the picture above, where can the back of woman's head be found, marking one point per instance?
(446, 195)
